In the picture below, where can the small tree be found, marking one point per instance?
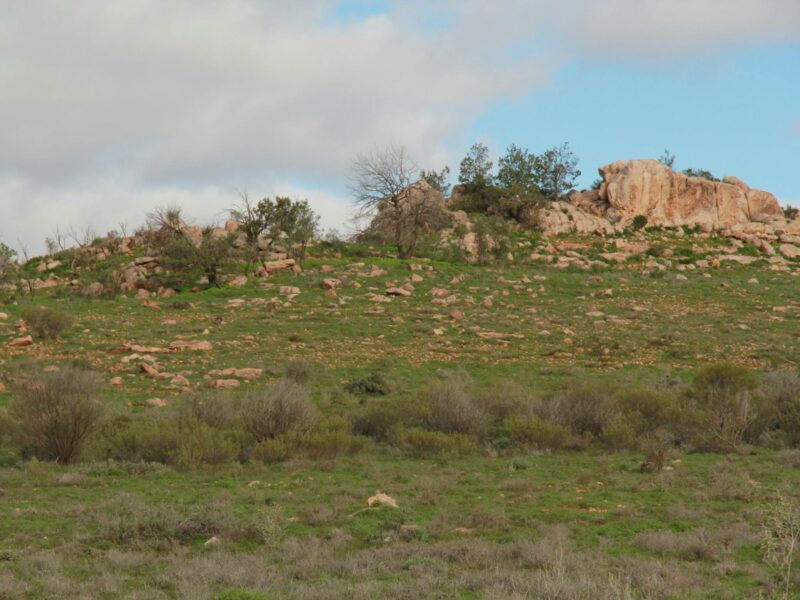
(8, 265)
(517, 171)
(293, 218)
(384, 187)
(475, 170)
(56, 413)
(667, 159)
(437, 180)
(781, 538)
(556, 171)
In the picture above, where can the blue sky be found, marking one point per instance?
(113, 109)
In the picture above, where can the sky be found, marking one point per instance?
(111, 109)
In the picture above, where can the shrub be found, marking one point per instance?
(201, 445)
(46, 324)
(656, 451)
(419, 442)
(298, 371)
(373, 384)
(722, 407)
(144, 439)
(647, 411)
(453, 409)
(378, 419)
(278, 408)
(215, 410)
(58, 412)
(639, 222)
(781, 393)
(537, 433)
(584, 409)
(505, 400)
(619, 435)
(781, 539)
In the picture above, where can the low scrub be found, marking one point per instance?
(454, 409)
(277, 409)
(45, 323)
(56, 412)
(419, 443)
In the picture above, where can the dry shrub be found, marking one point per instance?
(506, 399)
(647, 410)
(279, 408)
(721, 407)
(46, 324)
(298, 371)
(696, 544)
(781, 393)
(214, 409)
(729, 482)
(585, 409)
(57, 412)
(453, 408)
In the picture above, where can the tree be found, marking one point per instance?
(475, 170)
(556, 171)
(517, 171)
(293, 218)
(181, 251)
(8, 257)
(667, 159)
(384, 187)
(440, 180)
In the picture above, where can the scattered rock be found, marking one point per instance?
(245, 373)
(157, 402)
(115, 382)
(239, 281)
(396, 291)
(331, 283)
(381, 498)
(202, 345)
(789, 250)
(289, 290)
(225, 383)
(20, 342)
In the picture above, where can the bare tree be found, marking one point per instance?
(384, 184)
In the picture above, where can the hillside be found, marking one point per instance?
(536, 419)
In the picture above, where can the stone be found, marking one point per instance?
(202, 345)
(94, 290)
(331, 283)
(414, 278)
(789, 250)
(239, 281)
(278, 265)
(245, 373)
(145, 260)
(115, 381)
(157, 402)
(396, 291)
(225, 383)
(149, 369)
(457, 314)
(3, 316)
(180, 380)
(20, 342)
(288, 290)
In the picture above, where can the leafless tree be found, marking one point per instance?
(383, 184)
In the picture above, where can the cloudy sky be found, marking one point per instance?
(110, 108)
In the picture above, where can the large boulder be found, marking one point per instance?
(667, 198)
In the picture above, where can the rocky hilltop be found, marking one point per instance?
(667, 199)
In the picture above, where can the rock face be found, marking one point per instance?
(666, 198)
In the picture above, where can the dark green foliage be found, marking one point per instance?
(45, 323)
(517, 171)
(639, 222)
(790, 212)
(700, 173)
(476, 168)
(667, 159)
(438, 180)
(56, 412)
(292, 218)
(373, 384)
(556, 171)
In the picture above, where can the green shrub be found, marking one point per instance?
(331, 444)
(373, 384)
(619, 435)
(639, 222)
(378, 419)
(46, 324)
(506, 399)
(647, 411)
(275, 409)
(214, 409)
(781, 394)
(417, 442)
(57, 412)
(147, 439)
(720, 407)
(535, 432)
(272, 450)
(201, 445)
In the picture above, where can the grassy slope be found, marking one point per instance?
(91, 534)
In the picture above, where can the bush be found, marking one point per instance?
(374, 384)
(57, 413)
(721, 407)
(453, 409)
(215, 410)
(536, 433)
(417, 442)
(144, 439)
(378, 419)
(639, 222)
(781, 393)
(647, 411)
(45, 323)
(201, 445)
(298, 371)
(584, 409)
(278, 408)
